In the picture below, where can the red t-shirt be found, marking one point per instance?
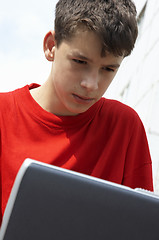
(107, 141)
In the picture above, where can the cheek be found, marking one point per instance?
(62, 82)
(58, 81)
(104, 84)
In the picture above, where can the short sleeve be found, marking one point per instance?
(0, 195)
(138, 164)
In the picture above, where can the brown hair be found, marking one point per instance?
(114, 21)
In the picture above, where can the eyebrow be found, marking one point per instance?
(116, 65)
(79, 55)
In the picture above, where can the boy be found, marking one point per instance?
(66, 122)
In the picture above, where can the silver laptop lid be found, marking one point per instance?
(49, 202)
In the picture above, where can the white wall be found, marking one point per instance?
(137, 82)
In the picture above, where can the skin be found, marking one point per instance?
(79, 76)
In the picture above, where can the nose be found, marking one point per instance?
(90, 81)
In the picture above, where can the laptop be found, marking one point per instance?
(51, 203)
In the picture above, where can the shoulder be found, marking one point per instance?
(117, 109)
(5, 100)
(116, 112)
(8, 99)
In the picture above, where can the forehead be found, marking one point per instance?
(85, 38)
(87, 43)
(83, 41)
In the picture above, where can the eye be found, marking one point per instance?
(108, 69)
(79, 61)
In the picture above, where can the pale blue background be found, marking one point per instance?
(23, 25)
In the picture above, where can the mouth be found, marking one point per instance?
(83, 99)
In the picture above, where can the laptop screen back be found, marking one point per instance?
(53, 203)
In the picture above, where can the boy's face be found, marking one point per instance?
(80, 76)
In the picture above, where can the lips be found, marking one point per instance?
(82, 99)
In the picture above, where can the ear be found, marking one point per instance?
(48, 45)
